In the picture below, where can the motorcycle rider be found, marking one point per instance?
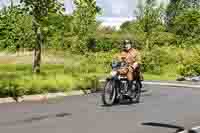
(132, 57)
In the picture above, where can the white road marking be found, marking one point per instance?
(167, 84)
(192, 129)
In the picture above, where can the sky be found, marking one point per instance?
(117, 8)
(3, 2)
(115, 12)
(7, 2)
(114, 8)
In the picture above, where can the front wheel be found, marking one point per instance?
(109, 93)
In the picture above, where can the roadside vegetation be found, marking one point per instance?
(67, 52)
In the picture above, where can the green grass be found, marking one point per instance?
(169, 74)
(77, 72)
(51, 79)
(20, 76)
(59, 77)
(159, 77)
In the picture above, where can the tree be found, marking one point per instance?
(125, 25)
(176, 7)
(186, 26)
(39, 10)
(172, 10)
(191, 3)
(149, 16)
(84, 22)
(15, 29)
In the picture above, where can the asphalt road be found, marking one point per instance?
(85, 114)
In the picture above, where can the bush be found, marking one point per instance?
(104, 45)
(189, 64)
(11, 88)
(155, 59)
(163, 39)
(186, 26)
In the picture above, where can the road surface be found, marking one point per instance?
(85, 114)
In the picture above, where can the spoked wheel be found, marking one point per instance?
(109, 93)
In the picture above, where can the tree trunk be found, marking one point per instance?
(37, 52)
(37, 60)
(147, 42)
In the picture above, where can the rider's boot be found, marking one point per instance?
(140, 82)
(141, 78)
(130, 88)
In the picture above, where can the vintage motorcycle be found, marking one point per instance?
(116, 86)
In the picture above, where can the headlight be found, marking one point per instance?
(113, 73)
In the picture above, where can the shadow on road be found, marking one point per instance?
(123, 102)
(143, 90)
(154, 124)
(34, 119)
(126, 100)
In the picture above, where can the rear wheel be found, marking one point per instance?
(109, 93)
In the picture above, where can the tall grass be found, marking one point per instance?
(77, 72)
(83, 71)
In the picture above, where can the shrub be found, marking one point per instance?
(153, 60)
(163, 39)
(189, 64)
(104, 45)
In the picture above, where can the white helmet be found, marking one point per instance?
(127, 44)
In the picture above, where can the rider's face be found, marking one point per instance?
(127, 47)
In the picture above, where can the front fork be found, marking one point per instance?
(117, 87)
